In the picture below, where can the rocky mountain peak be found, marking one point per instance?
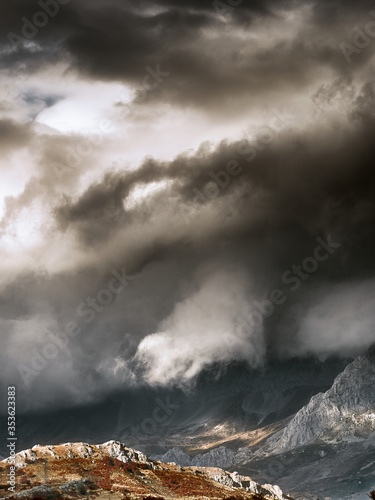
(349, 403)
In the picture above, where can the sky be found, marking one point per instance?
(182, 184)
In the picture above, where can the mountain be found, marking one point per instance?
(236, 401)
(327, 447)
(112, 470)
(307, 426)
(347, 409)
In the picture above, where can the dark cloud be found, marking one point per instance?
(266, 220)
(321, 182)
(208, 234)
(205, 55)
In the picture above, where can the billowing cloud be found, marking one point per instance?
(205, 155)
(207, 327)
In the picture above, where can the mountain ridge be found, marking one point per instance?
(128, 475)
(351, 395)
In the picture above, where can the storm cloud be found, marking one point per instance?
(183, 186)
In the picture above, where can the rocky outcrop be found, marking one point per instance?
(113, 449)
(210, 462)
(349, 403)
(235, 480)
(134, 461)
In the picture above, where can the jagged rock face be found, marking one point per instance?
(218, 457)
(349, 403)
(175, 455)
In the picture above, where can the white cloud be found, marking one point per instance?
(204, 328)
(341, 321)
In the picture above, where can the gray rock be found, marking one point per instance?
(347, 405)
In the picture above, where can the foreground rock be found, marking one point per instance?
(111, 470)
